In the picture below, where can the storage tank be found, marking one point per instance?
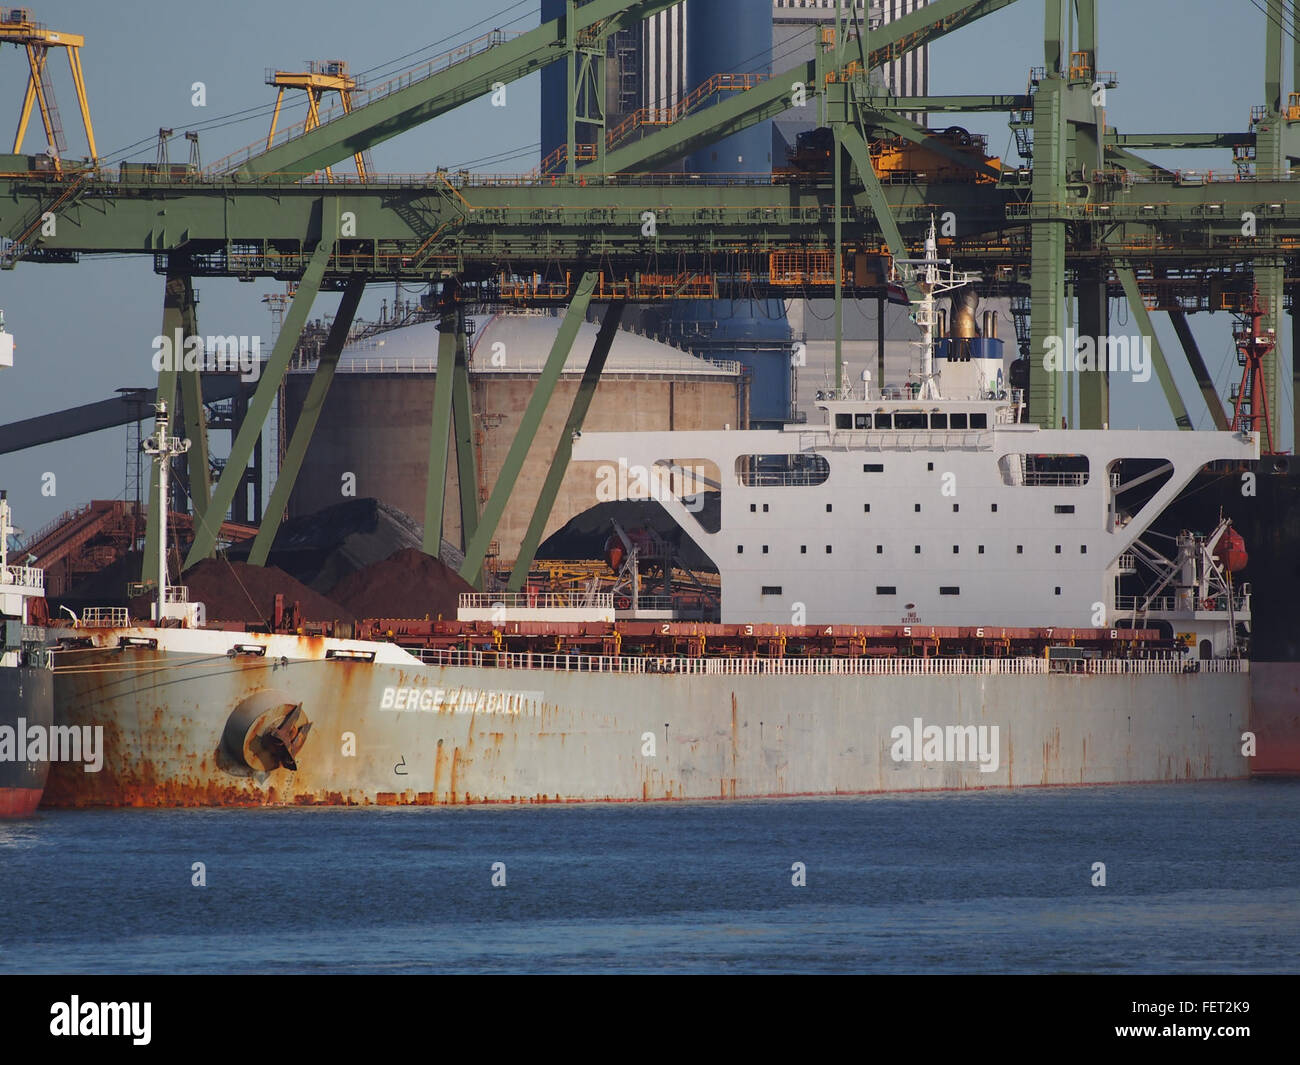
(375, 421)
(727, 37)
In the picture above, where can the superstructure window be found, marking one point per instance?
(884, 421)
(873, 467)
(956, 550)
(828, 549)
(771, 589)
(949, 589)
(764, 471)
(1058, 549)
(886, 589)
(880, 549)
(938, 421)
(1020, 549)
(979, 421)
(909, 419)
(828, 508)
(844, 421)
(1065, 508)
(957, 421)
(862, 421)
(866, 508)
(956, 507)
(916, 550)
(803, 549)
(765, 549)
(740, 549)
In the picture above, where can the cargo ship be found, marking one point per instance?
(923, 592)
(26, 682)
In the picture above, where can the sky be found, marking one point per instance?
(81, 331)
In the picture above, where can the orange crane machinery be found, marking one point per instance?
(17, 27)
(328, 75)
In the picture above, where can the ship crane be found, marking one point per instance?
(1205, 598)
(329, 75)
(17, 27)
(933, 276)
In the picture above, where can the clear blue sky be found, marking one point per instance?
(82, 331)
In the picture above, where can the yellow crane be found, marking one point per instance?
(329, 75)
(17, 27)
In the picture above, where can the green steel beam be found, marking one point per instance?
(530, 422)
(1047, 248)
(434, 94)
(462, 424)
(1199, 370)
(1094, 322)
(772, 97)
(1274, 44)
(195, 417)
(564, 447)
(1116, 156)
(259, 408)
(435, 492)
(1053, 38)
(1173, 141)
(1142, 319)
(306, 425)
(1270, 279)
(196, 428)
(1090, 288)
(1085, 16)
(526, 224)
(178, 308)
(854, 143)
(971, 104)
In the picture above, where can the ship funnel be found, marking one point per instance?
(964, 302)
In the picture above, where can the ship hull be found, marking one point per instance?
(26, 701)
(399, 733)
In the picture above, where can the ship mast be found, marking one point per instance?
(163, 447)
(5, 530)
(932, 276)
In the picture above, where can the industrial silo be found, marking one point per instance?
(373, 433)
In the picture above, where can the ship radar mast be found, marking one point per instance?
(162, 446)
(933, 277)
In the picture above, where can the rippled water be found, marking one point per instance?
(1199, 877)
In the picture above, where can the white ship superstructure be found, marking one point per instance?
(931, 502)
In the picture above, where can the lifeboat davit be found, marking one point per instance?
(1230, 552)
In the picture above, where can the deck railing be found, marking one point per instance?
(535, 600)
(791, 667)
(25, 576)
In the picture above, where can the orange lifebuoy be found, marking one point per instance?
(623, 603)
